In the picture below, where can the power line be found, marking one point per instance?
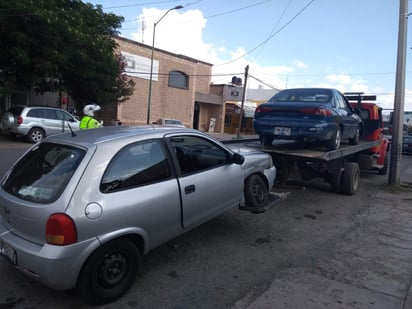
(271, 36)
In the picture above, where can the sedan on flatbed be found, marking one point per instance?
(308, 114)
(78, 210)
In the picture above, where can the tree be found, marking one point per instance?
(61, 45)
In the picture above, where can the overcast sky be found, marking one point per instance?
(350, 45)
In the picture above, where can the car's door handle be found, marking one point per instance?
(190, 189)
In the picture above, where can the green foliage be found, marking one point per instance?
(52, 45)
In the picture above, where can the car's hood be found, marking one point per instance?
(255, 160)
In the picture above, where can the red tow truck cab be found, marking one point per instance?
(371, 114)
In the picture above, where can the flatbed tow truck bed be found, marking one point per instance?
(304, 150)
(338, 167)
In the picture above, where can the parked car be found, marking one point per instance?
(308, 114)
(37, 122)
(169, 122)
(407, 144)
(80, 210)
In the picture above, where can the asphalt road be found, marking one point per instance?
(312, 249)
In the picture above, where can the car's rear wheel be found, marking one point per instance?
(109, 272)
(334, 142)
(256, 192)
(35, 135)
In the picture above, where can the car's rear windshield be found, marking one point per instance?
(42, 174)
(16, 110)
(316, 96)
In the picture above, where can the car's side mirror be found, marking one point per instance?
(238, 158)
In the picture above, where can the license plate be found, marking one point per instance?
(8, 252)
(282, 131)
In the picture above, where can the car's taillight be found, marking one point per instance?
(316, 111)
(60, 230)
(19, 120)
(263, 109)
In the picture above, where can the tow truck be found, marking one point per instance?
(341, 167)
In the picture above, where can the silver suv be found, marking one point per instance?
(37, 122)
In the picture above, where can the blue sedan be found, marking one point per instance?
(308, 114)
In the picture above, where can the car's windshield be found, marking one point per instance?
(299, 95)
(41, 175)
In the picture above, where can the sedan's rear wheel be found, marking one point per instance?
(256, 192)
(109, 271)
(334, 142)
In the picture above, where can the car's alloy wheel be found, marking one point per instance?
(334, 142)
(109, 271)
(35, 135)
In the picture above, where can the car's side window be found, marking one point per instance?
(35, 113)
(196, 154)
(137, 164)
(341, 102)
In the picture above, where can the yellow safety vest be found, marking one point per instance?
(88, 122)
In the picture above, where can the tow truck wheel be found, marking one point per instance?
(335, 180)
(350, 178)
(384, 169)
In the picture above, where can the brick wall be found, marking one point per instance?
(166, 102)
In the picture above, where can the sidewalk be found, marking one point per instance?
(370, 268)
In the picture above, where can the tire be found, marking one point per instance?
(356, 137)
(350, 178)
(35, 135)
(265, 140)
(109, 272)
(335, 180)
(7, 121)
(384, 169)
(256, 192)
(334, 142)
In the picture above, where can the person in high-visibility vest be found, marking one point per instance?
(88, 121)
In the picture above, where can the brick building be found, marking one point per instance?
(180, 89)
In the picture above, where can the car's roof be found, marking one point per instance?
(105, 134)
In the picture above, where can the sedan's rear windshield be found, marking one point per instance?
(42, 174)
(316, 96)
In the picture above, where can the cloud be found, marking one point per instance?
(181, 32)
(300, 64)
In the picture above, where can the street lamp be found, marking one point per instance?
(178, 7)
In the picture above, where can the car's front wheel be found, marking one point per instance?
(355, 139)
(35, 135)
(109, 271)
(256, 192)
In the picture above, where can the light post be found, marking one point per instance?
(178, 7)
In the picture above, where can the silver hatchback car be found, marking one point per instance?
(78, 210)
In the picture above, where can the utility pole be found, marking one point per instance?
(243, 102)
(397, 121)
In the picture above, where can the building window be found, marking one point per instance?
(178, 79)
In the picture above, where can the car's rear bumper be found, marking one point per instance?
(54, 266)
(311, 131)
